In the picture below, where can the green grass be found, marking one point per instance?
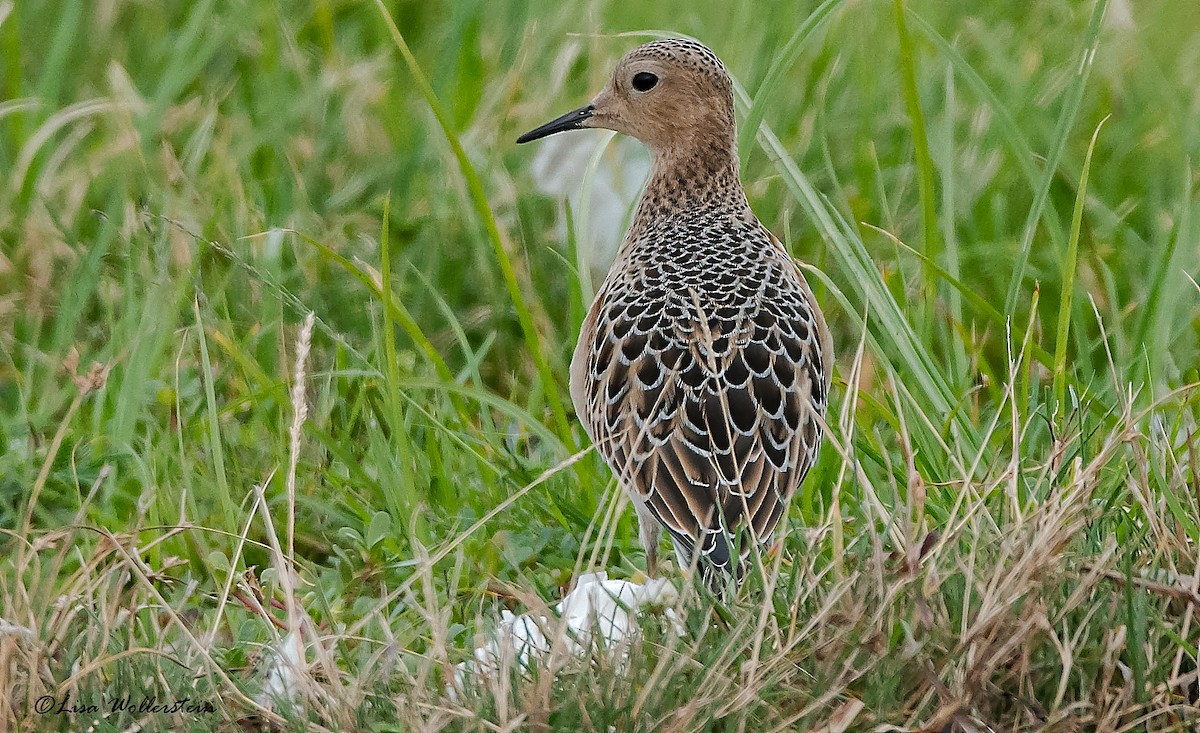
(1001, 533)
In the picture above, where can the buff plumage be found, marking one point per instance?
(702, 370)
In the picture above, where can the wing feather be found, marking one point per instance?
(708, 404)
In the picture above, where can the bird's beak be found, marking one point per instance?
(572, 120)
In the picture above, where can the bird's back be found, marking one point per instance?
(701, 375)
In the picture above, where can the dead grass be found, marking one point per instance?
(1031, 617)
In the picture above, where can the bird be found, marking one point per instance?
(703, 366)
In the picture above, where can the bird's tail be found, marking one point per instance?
(720, 559)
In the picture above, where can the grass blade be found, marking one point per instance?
(930, 239)
(408, 498)
(398, 313)
(1070, 261)
(484, 211)
(213, 435)
(1062, 131)
(1154, 327)
(784, 59)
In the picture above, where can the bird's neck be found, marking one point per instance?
(696, 174)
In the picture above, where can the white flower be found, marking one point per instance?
(597, 605)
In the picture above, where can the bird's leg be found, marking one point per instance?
(648, 532)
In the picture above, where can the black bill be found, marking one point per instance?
(572, 120)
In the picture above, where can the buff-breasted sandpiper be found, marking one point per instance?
(702, 370)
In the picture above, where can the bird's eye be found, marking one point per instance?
(644, 81)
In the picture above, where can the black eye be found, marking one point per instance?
(644, 81)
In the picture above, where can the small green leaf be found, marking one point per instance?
(380, 527)
(218, 561)
(351, 536)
